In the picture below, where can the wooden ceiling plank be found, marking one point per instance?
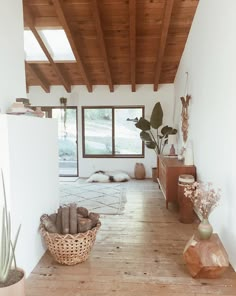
(101, 41)
(31, 26)
(132, 36)
(60, 13)
(165, 26)
(38, 76)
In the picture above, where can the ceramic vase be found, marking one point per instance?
(139, 171)
(16, 289)
(205, 229)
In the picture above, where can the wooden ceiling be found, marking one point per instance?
(115, 42)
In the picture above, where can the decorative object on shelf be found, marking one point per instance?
(19, 108)
(11, 277)
(158, 140)
(139, 171)
(172, 140)
(205, 229)
(205, 199)
(38, 112)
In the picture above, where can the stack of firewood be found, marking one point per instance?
(70, 219)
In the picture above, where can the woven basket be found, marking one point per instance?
(70, 249)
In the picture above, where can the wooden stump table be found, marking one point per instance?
(205, 258)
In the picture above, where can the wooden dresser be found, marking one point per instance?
(169, 170)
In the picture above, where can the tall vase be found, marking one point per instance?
(205, 229)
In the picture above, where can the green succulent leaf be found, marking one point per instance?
(145, 136)
(143, 124)
(157, 116)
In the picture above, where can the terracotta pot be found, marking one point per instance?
(139, 171)
(17, 289)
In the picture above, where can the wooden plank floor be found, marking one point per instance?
(138, 253)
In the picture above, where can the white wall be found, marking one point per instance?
(210, 60)
(29, 159)
(12, 70)
(101, 96)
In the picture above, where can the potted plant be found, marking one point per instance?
(152, 134)
(11, 277)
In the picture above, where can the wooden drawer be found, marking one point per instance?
(169, 170)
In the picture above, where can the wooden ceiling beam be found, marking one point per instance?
(101, 41)
(132, 38)
(164, 32)
(30, 23)
(60, 13)
(35, 73)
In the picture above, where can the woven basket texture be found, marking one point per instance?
(70, 249)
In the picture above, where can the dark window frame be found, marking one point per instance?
(113, 155)
(48, 114)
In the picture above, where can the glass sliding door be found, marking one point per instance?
(67, 138)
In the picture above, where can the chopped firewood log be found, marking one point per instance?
(84, 224)
(82, 211)
(53, 217)
(48, 224)
(94, 217)
(73, 218)
(59, 220)
(65, 221)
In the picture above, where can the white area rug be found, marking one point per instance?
(102, 198)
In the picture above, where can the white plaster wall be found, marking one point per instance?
(210, 60)
(12, 70)
(29, 159)
(101, 96)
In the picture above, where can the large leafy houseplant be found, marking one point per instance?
(151, 133)
(9, 273)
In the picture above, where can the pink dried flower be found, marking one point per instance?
(203, 196)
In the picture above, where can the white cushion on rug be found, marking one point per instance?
(98, 177)
(109, 177)
(120, 177)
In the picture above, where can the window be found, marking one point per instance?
(111, 132)
(56, 42)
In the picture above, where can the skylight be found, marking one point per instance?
(55, 41)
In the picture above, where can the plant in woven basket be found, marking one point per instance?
(9, 273)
